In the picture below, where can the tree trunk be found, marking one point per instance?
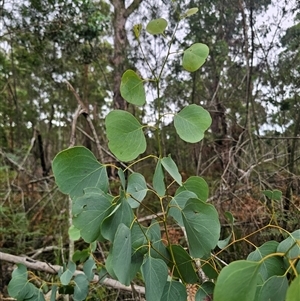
(121, 14)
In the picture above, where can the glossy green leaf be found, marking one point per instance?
(89, 211)
(191, 123)
(194, 57)
(67, 275)
(132, 88)
(158, 179)
(137, 28)
(293, 291)
(202, 227)
(74, 233)
(274, 289)
(125, 135)
(205, 291)
(121, 214)
(77, 168)
(155, 274)
(174, 291)
(171, 167)
(237, 281)
(157, 26)
(270, 266)
(89, 268)
(137, 188)
(81, 288)
(177, 204)
(183, 264)
(197, 185)
(122, 254)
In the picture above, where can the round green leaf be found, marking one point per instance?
(191, 123)
(89, 211)
(197, 185)
(125, 135)
(77, 168)
(155, 274)
(18, 282)
(74, 233)
(177, 204)
(194, 57)
(132, 88)
(157, 26)
(202, 227)
(237, 281)
(81, 287)
(274, 289)
(270, 266)
(121, 254)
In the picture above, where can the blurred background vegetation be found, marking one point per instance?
(249, 84)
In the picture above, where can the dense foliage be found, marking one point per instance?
(181, 125)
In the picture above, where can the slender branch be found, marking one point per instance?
(54, 269)
(84, 112)
(132, 7)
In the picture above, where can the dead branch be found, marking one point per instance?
(84, 111)
(54, 269)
